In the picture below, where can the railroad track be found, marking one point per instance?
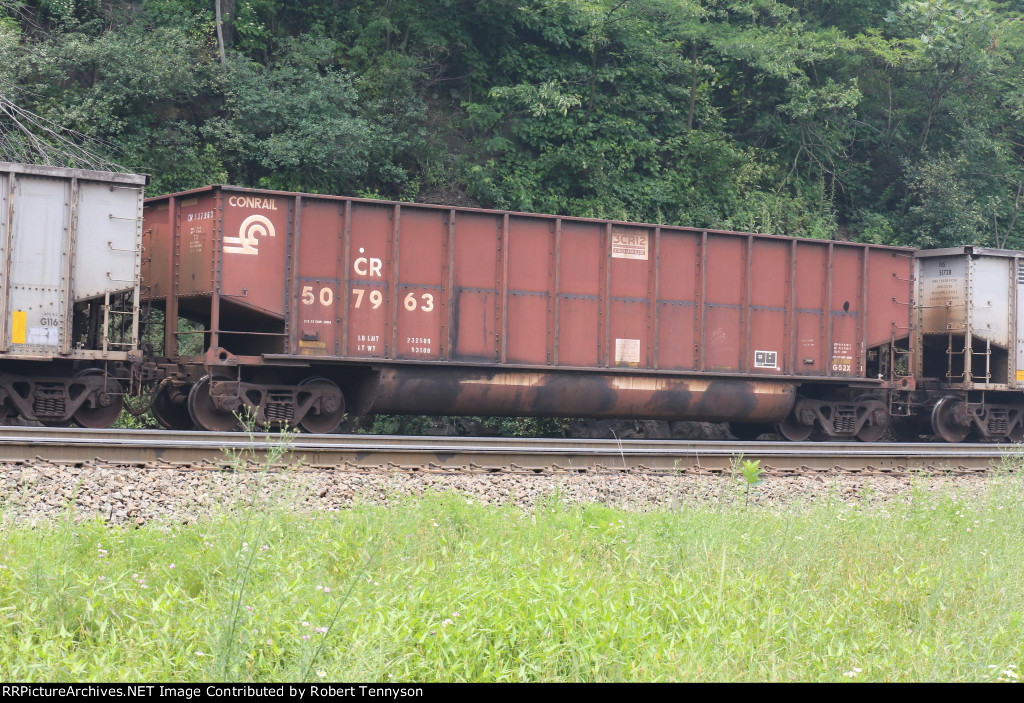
(363, 453)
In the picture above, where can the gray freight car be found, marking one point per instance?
(968, 346)
(70, 254)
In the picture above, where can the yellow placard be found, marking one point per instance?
(1020, 375)
(19, 326)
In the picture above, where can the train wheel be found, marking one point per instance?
(950, 421)
(205, 414)
(101, 416)
(7, 409)
(873, 428)
(171, 415)
(330, 416)
(791, 428)
(820, 435)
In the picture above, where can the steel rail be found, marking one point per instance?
(157, 448)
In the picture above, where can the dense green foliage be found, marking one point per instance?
(879, 120)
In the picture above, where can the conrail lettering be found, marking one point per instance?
(258, 203)
(368, 266)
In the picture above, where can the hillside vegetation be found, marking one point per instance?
(874, 120)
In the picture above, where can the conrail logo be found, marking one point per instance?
(258, 203)
(246, 242)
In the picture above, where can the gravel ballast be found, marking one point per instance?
(137, 495)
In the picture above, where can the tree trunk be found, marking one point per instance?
(220, 32)
(693, 86)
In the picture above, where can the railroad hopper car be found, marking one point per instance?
(967, 347)
(69, 284)
(301, 308)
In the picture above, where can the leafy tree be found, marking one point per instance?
(888, 120)
(292, 125)
(944, 154)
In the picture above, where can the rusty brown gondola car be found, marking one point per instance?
(312, 306)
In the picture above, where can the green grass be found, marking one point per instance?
(442, 588)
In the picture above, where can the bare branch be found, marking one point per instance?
(29, 138)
